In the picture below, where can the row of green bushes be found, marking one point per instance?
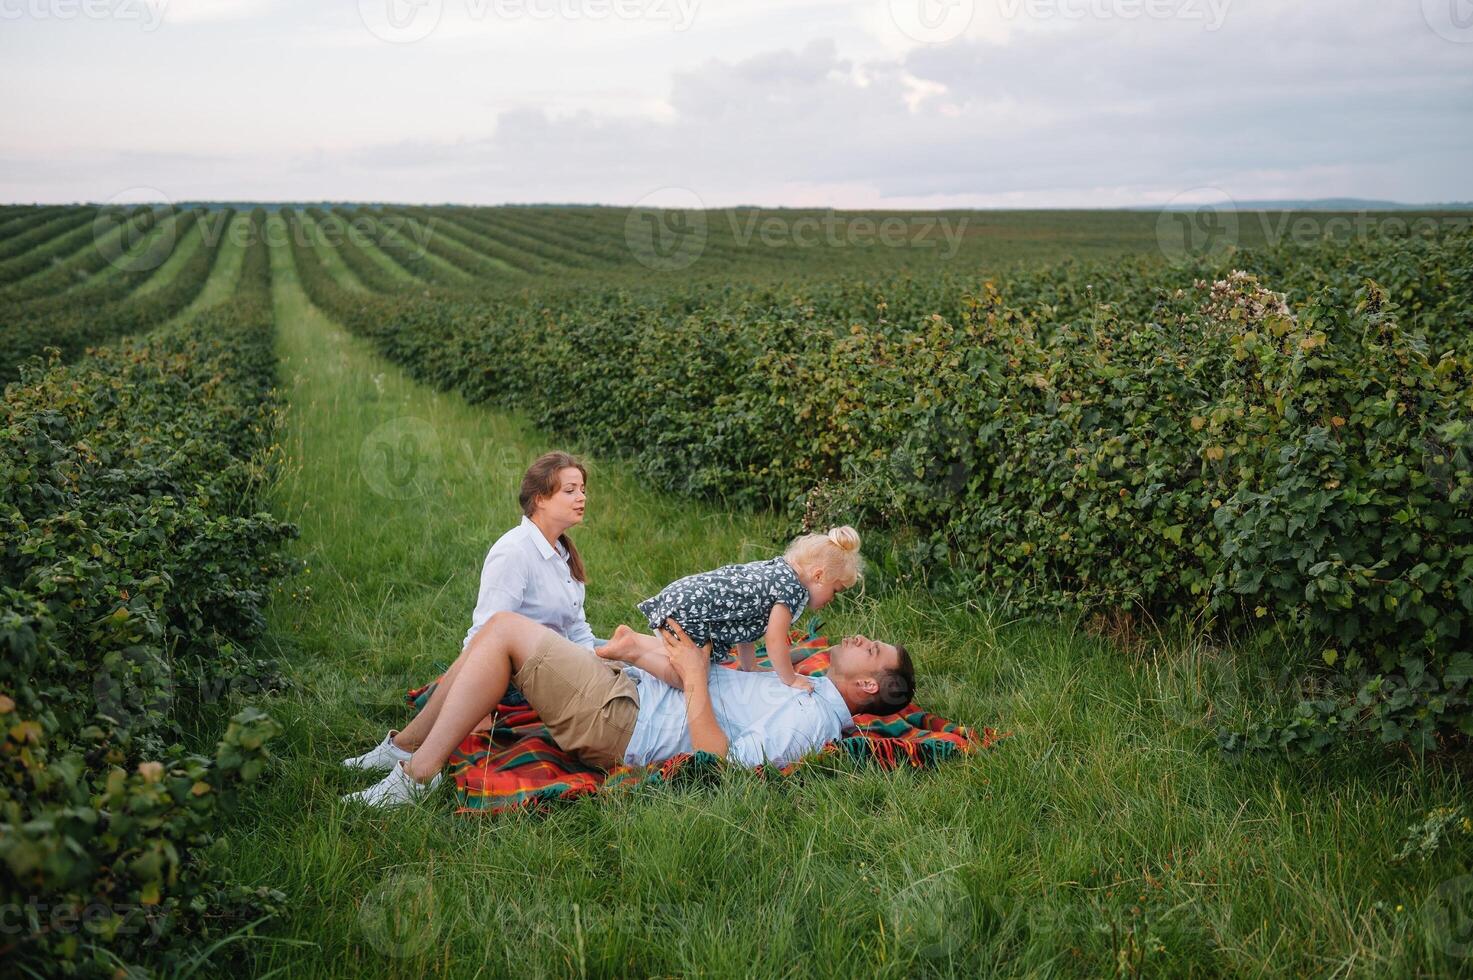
(59, 226)
(1428, 277)
(450, 223)
(450, 242)
(1192, 448)
(409, 245)
(72, 321)
(47, 254)
(135, 570)
(36, 226)
(332, 230)
(133, 251)
(53, 270)
(523, 247)
(15, 219)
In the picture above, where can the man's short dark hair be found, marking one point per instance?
(897, 686)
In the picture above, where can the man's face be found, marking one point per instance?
(859, 656)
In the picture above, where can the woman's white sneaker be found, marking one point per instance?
(382, 757)
(395, 789)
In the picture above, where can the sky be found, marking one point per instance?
(714, 103)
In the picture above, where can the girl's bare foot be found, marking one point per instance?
(622, 646)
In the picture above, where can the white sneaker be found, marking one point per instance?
(381, 758)
(395, 789)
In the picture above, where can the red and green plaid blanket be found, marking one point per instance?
(512, 762)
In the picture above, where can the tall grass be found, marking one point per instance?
(1106, 835)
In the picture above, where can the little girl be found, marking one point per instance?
(732, 606)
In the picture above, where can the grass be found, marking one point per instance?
(225, 270)
(1105, 835)
(178, 257)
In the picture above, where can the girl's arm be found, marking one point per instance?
(779, 622)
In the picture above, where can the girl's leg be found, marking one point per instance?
(627, 646)
(640, 650)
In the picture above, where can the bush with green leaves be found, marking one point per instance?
(136, 568)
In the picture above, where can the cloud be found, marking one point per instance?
(1316, 98)
(1107, 114)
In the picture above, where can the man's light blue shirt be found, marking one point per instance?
(764, 719)
(523, 573)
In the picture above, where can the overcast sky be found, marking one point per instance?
(830, 103)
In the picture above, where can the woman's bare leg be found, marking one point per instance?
(485, 669)
(410, 737)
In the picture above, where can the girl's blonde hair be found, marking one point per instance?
(836, 552)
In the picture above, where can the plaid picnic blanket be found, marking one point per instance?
(511, 761)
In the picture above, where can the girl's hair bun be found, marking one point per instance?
(837, 552)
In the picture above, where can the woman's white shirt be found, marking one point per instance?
(525, 574)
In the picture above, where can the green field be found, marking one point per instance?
(1108, 834)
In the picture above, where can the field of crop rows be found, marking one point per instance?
(1187, 508)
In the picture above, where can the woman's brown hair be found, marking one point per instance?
(541, 480)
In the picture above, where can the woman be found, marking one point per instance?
(533, 569)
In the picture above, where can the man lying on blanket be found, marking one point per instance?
(607, 713)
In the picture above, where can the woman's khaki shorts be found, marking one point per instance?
(588, 704)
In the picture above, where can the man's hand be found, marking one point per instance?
(693, 665)
(690, 662)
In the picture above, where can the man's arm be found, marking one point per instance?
(705, 731)
(693, 664)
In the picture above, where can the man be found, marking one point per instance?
(607, 714)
